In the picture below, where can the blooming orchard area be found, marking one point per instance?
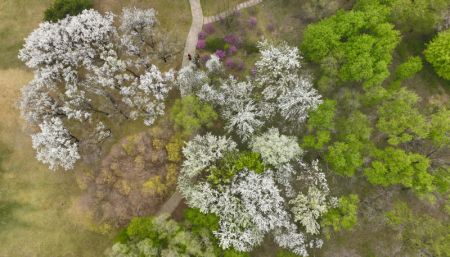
(263, 139)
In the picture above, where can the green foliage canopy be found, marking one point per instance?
(189, 114)
(320, 124)
(360, 41)
(395, 166)
(399, 118)
(344, 216)
(438, 54)
(418, 16)
(61, 8)
(420, 233)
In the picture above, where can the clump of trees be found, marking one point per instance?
(61, 8)
(420, 233)
(91, 74)
(134, 178)
(160, 236)
(353, 45)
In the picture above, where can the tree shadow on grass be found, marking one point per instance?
(8, 207)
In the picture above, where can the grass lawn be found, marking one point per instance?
(35, 203)
(17, 19)
(213, 7)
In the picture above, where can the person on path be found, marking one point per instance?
(190, 57)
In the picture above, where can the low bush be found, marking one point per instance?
(61, 8)
(215, 43)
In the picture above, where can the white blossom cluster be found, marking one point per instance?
(309, 207)
(278, 89)
(276, 149)
(55, 146)
(85, 66)
(252, 205)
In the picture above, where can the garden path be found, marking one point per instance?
(224, 14)
(191, 43)
(196, 27)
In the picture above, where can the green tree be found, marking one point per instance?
(420, 234)
(439, 132)
(204, 224)
(344, 216)
(159, 236)
(232, 163)
(399, 118)
(407, 69)
(320, 124)
(61, 8)
(345, 156)
(189, 114)
(417, 16)
(395, 166)
(438, 54)
(361, 41)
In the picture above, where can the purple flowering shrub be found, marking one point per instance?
(202, 35)
(205, 58)
(270, 27)
(221, 54)
(229, 63)
(209, 28)
(232, 50)
(201, 44)
(252, 22)
(232, 39)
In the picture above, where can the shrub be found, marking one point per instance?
(250, 48)
(209, 28)
(202, 35)
(407, 69)
(214, 44)
(438, 54)
(270, 27)
(189, 114)
(344, 216)
(61, 8)
(234, 162)
(221, 54)
(252, 22)
(229, 63)
(232, 39)
(232, 50)
(201, 44)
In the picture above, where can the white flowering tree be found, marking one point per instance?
(278, 89)
(55, 146)
(252, 205)
(276, 149)
(310, 206)
(88, 69)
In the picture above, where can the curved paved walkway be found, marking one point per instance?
(196, 27)
(224, 14)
